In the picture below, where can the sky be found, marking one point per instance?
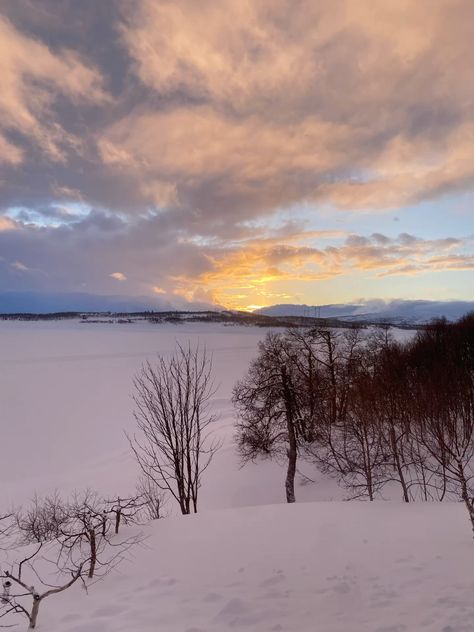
(239, 153)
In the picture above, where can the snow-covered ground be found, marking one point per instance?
(66, 399)
(309, 567)
(244, 562)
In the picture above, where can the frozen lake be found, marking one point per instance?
(66, 401)
(66, 392)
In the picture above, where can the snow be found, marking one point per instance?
(247, 561)
(66, 392)
(328, 566)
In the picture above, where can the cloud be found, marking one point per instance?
(79, 256)
(262, 266)
(6, 224)
(219, 164)
(118, 276)
(168, 139)
(9, 153)
(330, 101)
(255, 270)
(277, 53)
(33, 77)
(18, 265)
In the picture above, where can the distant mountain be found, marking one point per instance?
(43, 303)
(398, 311)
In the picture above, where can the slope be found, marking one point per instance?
(328, 567)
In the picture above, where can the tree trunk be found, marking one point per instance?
(398, 465)
(34, 612)
(368, 467)
(290, 475)
(292, 445)
(468, 502)
(93, 545)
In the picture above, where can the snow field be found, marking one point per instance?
(310, 567)
(244, 562)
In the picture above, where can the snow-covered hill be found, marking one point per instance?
(325, 567)
(395, 311)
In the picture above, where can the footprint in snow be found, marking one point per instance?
(277, 594)
(321, 591)
(212, 597)
(107, 611)
(158, 583)
(383, 593)
(232, 608)
(155, 582)
(273, 580)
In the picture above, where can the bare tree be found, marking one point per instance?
(387, 404)
(275, 416)
(152, 497)
(126, 510)
(16, 590)
(442, 361)
(173, 446)
(356, 453)
(43, 519)
(26, 582)
(7, 529)
(86, 531)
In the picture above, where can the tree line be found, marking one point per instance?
(367, 409)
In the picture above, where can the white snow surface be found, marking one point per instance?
(244, 562)
(66, 391)
(309, 567)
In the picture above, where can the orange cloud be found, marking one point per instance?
(32, 77)
(6, 224)
(255, 272)
(118, 276)
(364, 105)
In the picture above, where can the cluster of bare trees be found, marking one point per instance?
(72, 540)
(297, 386)
(366, 409)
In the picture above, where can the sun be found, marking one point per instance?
(252, 308)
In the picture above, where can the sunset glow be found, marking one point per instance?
(239, 154)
